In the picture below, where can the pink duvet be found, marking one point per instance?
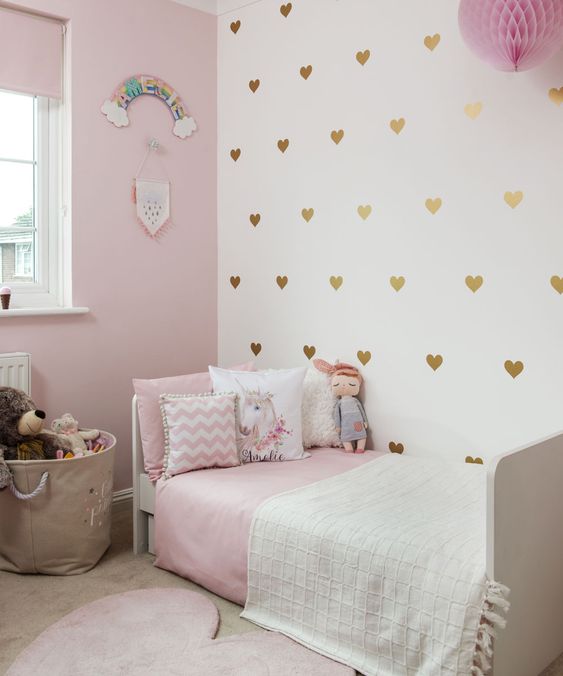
(202, 519)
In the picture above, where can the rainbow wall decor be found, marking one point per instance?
(115, 108)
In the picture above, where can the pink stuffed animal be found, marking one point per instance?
(68, 426)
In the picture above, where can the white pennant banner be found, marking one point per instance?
(153, 204)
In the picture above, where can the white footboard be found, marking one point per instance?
(525, 552)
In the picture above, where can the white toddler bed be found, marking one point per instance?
(524, 546)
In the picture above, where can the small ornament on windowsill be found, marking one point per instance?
(5, 295)
(152, 197)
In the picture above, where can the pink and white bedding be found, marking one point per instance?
(203, 518)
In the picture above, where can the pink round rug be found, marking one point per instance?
(162, 631)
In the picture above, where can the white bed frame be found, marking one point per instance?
(524, 546)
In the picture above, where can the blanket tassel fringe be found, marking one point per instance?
(495, 601)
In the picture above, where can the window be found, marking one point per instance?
(24, 259)
(31, 206)
(34, 229)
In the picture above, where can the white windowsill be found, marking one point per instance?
(43, 311)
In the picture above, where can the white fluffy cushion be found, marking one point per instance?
(318, 404)
(269, 412)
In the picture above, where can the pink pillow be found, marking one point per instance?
(148, 406)
(199, 432)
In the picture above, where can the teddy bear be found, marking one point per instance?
(68, 426)
(21, 432)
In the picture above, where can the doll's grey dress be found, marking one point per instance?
(350, 416)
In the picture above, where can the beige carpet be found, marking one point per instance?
(31, 603)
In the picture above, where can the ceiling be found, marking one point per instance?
(215, 6)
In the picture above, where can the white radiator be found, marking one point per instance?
(15, 370)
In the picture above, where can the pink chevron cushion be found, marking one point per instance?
(199, 432)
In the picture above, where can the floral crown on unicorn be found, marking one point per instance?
(255, 393)
(259, 393)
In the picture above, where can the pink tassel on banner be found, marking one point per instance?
(161, 231)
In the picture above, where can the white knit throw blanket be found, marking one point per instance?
(381, 568)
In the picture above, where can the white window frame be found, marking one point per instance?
(52, 241)
(49, 189)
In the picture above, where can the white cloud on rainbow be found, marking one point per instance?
(185, 126)
(115, 113)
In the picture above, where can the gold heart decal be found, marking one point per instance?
(235, 154)
(396, 447)
(431, 41)
(254, 84)
(434, 361)
(473, 110)
(557, 283)
(307, 214)
(256, 348)
(281, 281)
(364, 211)
(336, 282)
(474, 283)
(433, 204)
(397, 125)
(337, 136)
(306, 71)
(254, 219)
(283, 143)
(235, 26)
(362, 57)
(397, 282)
(513, 199)
(364, 357)
(515, 368)
(235, 281)
(475, 461)
(556, 95)
(309, 351)
(286, 9)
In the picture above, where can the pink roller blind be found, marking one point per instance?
(31, 54)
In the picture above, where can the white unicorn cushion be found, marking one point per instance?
(269, 412)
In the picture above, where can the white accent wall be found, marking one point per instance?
(473, 137)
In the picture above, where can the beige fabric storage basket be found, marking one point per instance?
(65, 529)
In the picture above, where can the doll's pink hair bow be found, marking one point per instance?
(338, 369)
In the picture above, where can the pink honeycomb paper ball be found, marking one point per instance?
(512, 34)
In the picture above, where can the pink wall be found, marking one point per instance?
(153, 304)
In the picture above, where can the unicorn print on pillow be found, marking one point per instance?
(261, 432)
(268, 417)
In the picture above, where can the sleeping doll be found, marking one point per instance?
(349, 415)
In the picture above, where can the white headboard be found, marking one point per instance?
(143, 489)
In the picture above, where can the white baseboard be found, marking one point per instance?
(122, 496)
